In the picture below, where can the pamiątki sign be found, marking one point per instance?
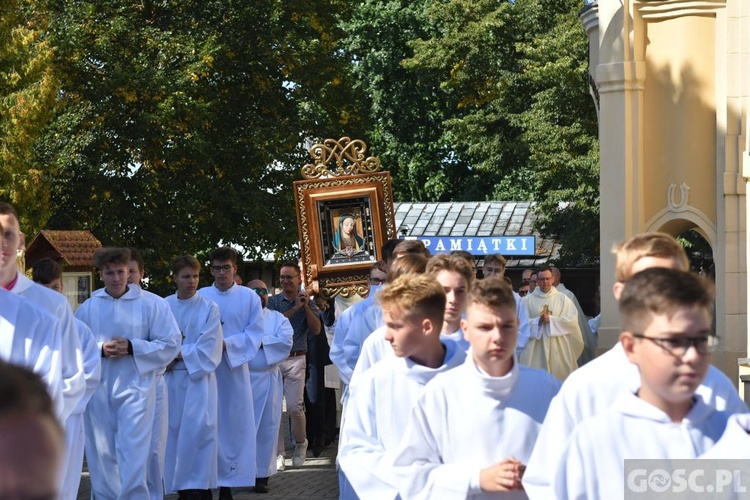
(505, 245)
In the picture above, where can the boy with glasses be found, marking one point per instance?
(268, 387)
(295, 304)
(665, 318)
(242, 326)
(594, 387)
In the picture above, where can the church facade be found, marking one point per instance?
(671, 81)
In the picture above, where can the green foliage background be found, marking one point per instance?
(176, 126)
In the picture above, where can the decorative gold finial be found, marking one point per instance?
(343, 150)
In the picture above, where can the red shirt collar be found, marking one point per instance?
(10, 285)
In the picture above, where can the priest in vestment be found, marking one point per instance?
(555, 340)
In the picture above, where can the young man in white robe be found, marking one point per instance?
(192, 442)
(347, 338)
(665, 319)
(48, 273)
(594, 387)
(555, 339)
(30, 337)
(136, 339)
(268, 388)
(242, 327)
(376, 347)
(456, 276)
(494, 267)
(158, 448)
(473, 429)
(14, 241)
(380, 405)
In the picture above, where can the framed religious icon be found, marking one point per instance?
(343, 218)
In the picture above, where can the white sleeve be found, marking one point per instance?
(163, 343)
(202, 357)
(241, 348)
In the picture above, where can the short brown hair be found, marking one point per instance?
(184, 261)
(492, 292)
(45, 271)
(454, 263)
(411, 246)
(647, 245)
(419, 296)
(661, 291)
(495, 258)
(223, 253)
(410, 263)
(111, 255)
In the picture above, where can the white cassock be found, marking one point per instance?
(30, 337)
(735, 442)
(74, 381)
(338, 358)
(192, 440)
(74, 429)
(376, 418)
(268, 388)
(523, 324)
(553, 346)
(591, 390)
(593, 463)
(120, 415)
(589, 340)
(466, 421)
(355, 325)
(158, 448)
(242, 325)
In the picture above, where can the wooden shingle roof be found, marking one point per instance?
(476, 218)
(72, 248)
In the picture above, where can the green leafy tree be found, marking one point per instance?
(27, 95)
(181, 125)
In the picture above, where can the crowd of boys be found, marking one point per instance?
(184, 394)
(441, 405)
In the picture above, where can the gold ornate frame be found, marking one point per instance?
(320, 203)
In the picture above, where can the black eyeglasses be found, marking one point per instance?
(260, 291)
(225, 267)
(288, 276)
(523, 293)
(376, 281)
(678, 346)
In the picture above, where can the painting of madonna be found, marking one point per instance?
(346, 241)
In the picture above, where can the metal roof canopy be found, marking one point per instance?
(477, 219)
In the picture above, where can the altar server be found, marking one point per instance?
(665, 319)
(591, 389)
(268, 388)
(135, 340)
(48, 273)
(375, 347)
(158, 447)
(555, 339)
(473, 429)
(242, 325)
(379, 408)
(455, 275)
(735, 441)
(190, 466)
(71, 361)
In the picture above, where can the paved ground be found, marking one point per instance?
(316, 479)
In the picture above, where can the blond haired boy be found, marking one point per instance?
(473, 429)
(665, 318)
(593, 388)
(379, 406)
